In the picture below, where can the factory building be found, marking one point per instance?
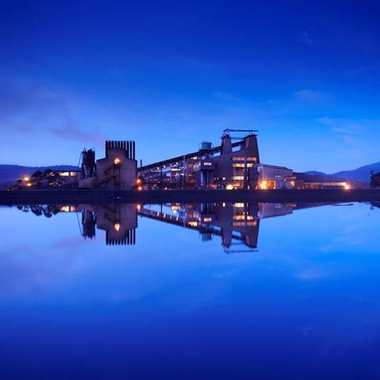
(234, 164)
(316, 182)
(232, 169)
(275, 177)
(117, 171)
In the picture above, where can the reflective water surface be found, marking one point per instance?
(224, 291)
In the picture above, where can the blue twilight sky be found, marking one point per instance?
(170, 74)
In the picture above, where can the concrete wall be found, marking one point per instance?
(116, 176)
(275, 173)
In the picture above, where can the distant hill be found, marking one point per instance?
(361, 174)
(313, 172)
(10, 173)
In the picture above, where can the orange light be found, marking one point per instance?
(229, 187)
(116, 226)
(138, 181)
(138, 207)
(263, 185)
(117, 161)
(26, 179)
(347, 186)
(28, 184)
(139, 188)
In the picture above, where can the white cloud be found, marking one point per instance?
(310, 96)
(28, 106)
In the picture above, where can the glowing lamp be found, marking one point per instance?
(26, 179)
(263, 185)
(117, 226)
(117, 161)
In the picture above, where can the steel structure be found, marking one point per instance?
(208, 167)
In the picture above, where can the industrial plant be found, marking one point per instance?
(234, 164)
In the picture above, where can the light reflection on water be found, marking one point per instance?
(184, 291)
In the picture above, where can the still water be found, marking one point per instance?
(198, 291)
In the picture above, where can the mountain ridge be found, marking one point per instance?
(362, 174)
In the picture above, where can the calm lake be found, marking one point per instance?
(197, 291)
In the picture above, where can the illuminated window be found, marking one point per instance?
(68, 209)
(243, 224)
(250, 159)
(243, 217)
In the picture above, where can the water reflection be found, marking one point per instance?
(237, 224)
(119, 221)
(174, 306)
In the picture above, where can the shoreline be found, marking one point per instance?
(186, 196)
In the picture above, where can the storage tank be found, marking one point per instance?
(205, 145)
(88, 163)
